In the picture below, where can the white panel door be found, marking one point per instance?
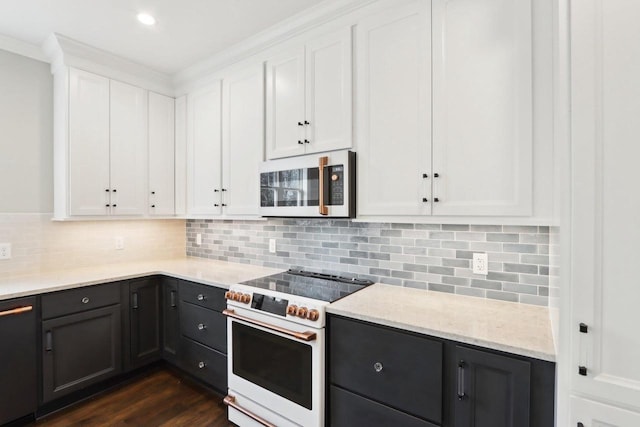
(393, 107)
(605, 86)
(588, 413)
(161, 155)
(181, 155)
(128, 148)
(328, 92)
(285, 105)
(242, 140)
(88, 144)
(482, 107)
(204, 176)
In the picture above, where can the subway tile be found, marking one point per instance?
(414, 284)
(452, 244)
(503, 277)
(486, 228)
(520, 268)
(527, 249)
(412, 250)
(441, 235)
(520, 289)
(503, 237)
(379, 255)
(472, 292)
(439, 287)
(534, 300)
(520, 228)
(503, 296)
(415, 267)
(402, 274)
(455, 227)
(485, 284)
(535, 259)
(456, 281)
(460, 263)
(434, 269)
(471, 236)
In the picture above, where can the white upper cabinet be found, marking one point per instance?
(605, 89)
(242, 140)
(88, 150)
(393, 108)
(482, 107)
(128, 148)
(204, 150)
(308, 106)
(444, 109)
(161, 191)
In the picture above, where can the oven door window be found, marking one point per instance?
(280, 365)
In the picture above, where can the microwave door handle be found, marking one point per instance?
(323, 209)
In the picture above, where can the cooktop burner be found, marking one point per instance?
(310, 284)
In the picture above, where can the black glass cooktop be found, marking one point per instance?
(308, 284)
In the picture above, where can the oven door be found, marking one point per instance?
(316, 185)
(276, 369)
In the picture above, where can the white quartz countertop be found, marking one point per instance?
(514, 328)
(211, 272)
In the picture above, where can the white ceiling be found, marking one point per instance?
(186, 30)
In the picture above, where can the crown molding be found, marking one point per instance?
(284, 30)
(22, 48)
(62, 51)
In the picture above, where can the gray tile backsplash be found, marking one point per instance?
(426, 256)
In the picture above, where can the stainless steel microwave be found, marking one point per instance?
(315, 185)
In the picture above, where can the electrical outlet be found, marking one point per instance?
(272, 246)
(119, 243)
(480, 263)
(198, 239)
(5, 250)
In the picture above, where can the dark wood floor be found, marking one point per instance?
(160, 398)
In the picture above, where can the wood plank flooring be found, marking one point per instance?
(161, 398)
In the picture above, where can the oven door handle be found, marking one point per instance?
(231, 401)
(304, 336)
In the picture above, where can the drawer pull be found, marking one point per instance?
(201, 365)
(304, 336)
(17, 310)
(460, 393)
(201, 297)
(378, 367)
(202, 326)
(231, 401)
(85, 300)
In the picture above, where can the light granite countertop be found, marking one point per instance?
(514, 328)
(211, 272)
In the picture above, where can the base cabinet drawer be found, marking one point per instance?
(204, 363)
(80, 299)
(80, 350)
(402, 370)
(348, 410)
(205, 296)
(206, 326)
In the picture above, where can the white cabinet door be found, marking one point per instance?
(605, 231)
(393, 107)
(482, 107)
(328, 92)
(204, 150)
(161, 155)
(587, 413)
(128, 148)
(88, 144)
(285, 105)
(242, 140)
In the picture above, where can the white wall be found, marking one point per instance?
(26, 135)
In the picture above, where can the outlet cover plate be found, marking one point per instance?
(5, 250)
(480, 263)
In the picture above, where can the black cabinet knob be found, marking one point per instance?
(300, 124)
(424, 199)
(300, 142)
(224, 189)
(114, 190)
(153, 206)
(424, 175)
(435, 199)
(436, 175)
(114, 205)
(306, 141)
(216, 205)
(224, 204)
(215, 190)
(107, 205)
(107, 190)
(153, 192)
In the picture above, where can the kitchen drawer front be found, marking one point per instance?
(400, 369)
(208, 327)
(348, 409)
(204, 363)
(80, 299)
(203, 295)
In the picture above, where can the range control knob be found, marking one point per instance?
(229, 295)
(313, 315)
(291, 310)
(237, 296)
(245, 298)
(302, 312)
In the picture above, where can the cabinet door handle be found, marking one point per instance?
(306, 123)
(153, 206)
(306, 141)
(425, 200)
(172, 297)
(16, 310)
(201, 297)
(114, 205)
(300, 142)
(48, 346)
(300, 124)
(202, 326)
(460, 392)
(114, 190)
(135, 301)
(85, 300)
(378, 367)
(201, 365)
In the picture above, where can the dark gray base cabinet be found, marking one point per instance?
(18, 366)
(170, 320)
(145, 317)
(381, 376)
(79, 350)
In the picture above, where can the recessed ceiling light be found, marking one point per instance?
(146, 19)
